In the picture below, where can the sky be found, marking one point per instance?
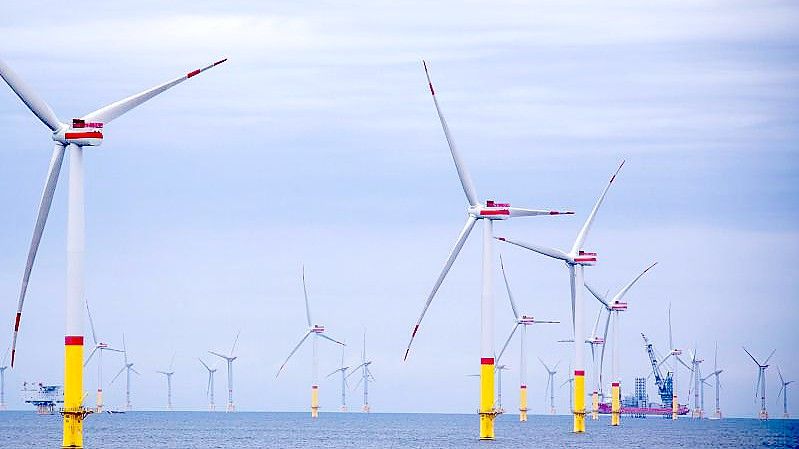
(317, 144)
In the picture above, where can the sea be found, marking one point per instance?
(387, 430)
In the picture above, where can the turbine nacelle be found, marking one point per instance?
(584, 258)
(526, 319)
(676, 352)
(81, 133)
(318, 329)
(491, 210)
(618, 306)
(596, 341)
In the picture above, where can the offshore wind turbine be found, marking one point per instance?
(569, 381)
(676, 353)
(784, 393)
(614, 306)
(317, 330)
(128, 368)
(550, 385)
(3, 368)
(86, 131)
(209, 390)
(169, 375)
(523, 321)
(99, 347)
(229, 358)
(487, 212)
(593, 341)
(575, 260)
(761, 383)
(715, 373)
(366, 376)
(696, 380)
(343, 370)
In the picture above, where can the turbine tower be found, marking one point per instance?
(229, 358)
(168, 375)
(366, 376)
(99, 347)
(569, 381)
(209, 390)
(317, 330)
(614, 306)
(86, 131)
(523, 321)
(128, 368)
(550, 384)
(343, 370)
(3, 368)
(715, 373)
(761, 383)
(784, 393)
(696, 381)
(488, 212)
(575, 260)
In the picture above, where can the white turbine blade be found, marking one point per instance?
(683, 363)
(463, 174)
(751, 356)
(304, 337)
(44, 210)
(671, 342)
(596, 323)
(556, 366)
(32, 100)
(551, 252)
(219, 355)
(520, 212)
(453, 254)
(598, 296)
(334, 372)
(331, 339)
(117, 375)
(507, 341)
(91, 354)
(114, 110)
(206, 366)
(133, 370)
(605, 337)
(769, 357)
(507, 287)
(782, 380)
(124, 349)
(355, 370)
(627, 288)
(545, 365)
(759, 379)
(545, 322)
(233, 349)
(305, 294)
(91, 321)
(578, 242)
(172, 362)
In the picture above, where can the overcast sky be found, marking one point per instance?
(317, 143)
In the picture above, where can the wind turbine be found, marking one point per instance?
(99, 347)
(784, 393)
(128, 368)
(168, 375)
(696, 379)
(317, 330)
(343, 370)
(569, 381)
(575, 260)
(500, 369)
(523, 321)
(761, 382)
(715, 373)
(488, 212)
(209, 390)
(593, 341)
(676, 353)
(86, 131)
(3, 368)
(550, 384)
(704, 381)
(366, 376)
(229, 358)
(614, 306)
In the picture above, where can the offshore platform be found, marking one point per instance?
(44, 397)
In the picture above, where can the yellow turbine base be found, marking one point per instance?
(579, 401)
(523, 404)
(595, 406)
(487, 412)
(314, 401)
(615, 404)
(73, 411)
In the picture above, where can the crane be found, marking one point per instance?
(664, 384)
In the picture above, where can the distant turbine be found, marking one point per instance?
(715, 373)
(99, 347)
(784, 393)
(317, 330)
(569, 381)
(343, 370)
(676, 353)
(696, 385)
(523, 321)
(86, 131)
(128, 368)
(488, 212)
(209, 390)
(761, 383)
(366, 376)
(229, 358)
(168, 375)
(613, 306)
(3, 368)
(575, 260)
(550, 384)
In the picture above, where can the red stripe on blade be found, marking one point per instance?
(84, 135)
(73, 340)
(487, 361)
(16, 321)
(192, 73)
(495, 212)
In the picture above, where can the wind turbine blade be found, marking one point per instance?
(91, 354)
(551, 252)
(453, 254)
(520, 212)
(44, 210)
(751, 356)
(218, 355)
(782, 380)
(124, 349)
(172, 362)
(355, 370)
(507, 341)
(597, 295)
(596, 323)
(91, 321)
(32, 100)
(683, 363)
(334, 372)
(555, 368)
(605, 338)
(305, 294)
(304, 337)
(544, 364)
(578, 242)
(510, 294)
(114, 110)
(671, 342)
(233, 349)
(463, 174)
(206, 366)
(117, 375)
(769, 357)
(133, 370)
(627, 288)
(331, 339)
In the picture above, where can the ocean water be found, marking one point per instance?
(381, 430)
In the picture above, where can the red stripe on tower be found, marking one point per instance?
(314, 387)
(487, 361)
(579, 372)
(614, 384)
(73, 340)
(524, 387)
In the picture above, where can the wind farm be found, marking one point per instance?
(352, 150)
